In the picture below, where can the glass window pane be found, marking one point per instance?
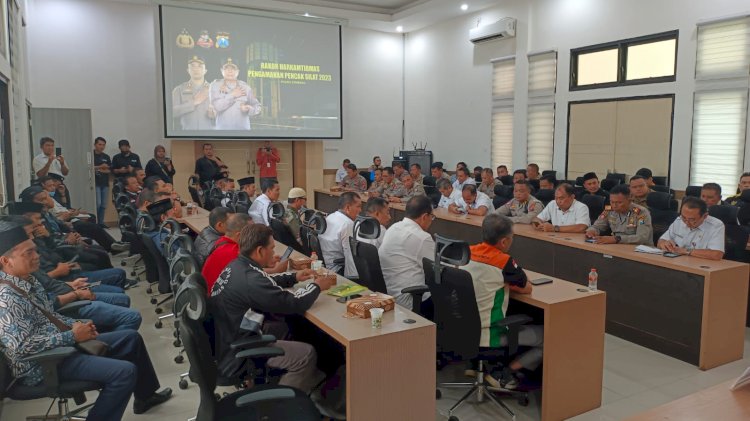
(655, 59)
(597, 67)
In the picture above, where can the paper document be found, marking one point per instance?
(649, 250)
(743, 380)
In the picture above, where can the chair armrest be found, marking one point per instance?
(416, 292)
(49, 360)
(254, 342)
(339, 261)
(270, 395)
(262, 352)
(71, 309)
(55, 354)
(513, 323)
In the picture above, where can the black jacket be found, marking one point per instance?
(205, 244)
(243, 287)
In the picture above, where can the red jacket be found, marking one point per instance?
(267, 162)
(226, 250)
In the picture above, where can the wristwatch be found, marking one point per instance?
(557, 228)
(617, 239)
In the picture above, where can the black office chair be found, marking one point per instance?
(545, 196)
(534, 184)
(242, 202)
(549, 172)
(507, 180)
(458, 324)
(735, 236)
(595, 203)
(365, 255)
(579, 181)
(608, 183)
(503, 194)
(366, 176)
(309, 230)
(430, 190)
(121, 201)
(281, 231)
(262, 402)
(663, 189)
(662, 215)
(660, 181)
(195, 194)
(694, 191)
(156, 263)
(616, 176)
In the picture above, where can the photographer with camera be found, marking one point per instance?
(267, 157)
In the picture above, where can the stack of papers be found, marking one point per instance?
(649, 250)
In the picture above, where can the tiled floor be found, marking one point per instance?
(635, 379)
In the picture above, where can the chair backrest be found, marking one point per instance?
(608, 183)
(152, 257)
(367, 261)
(662, 214)
(725, 213)
(579, 181)
(545, 196)
(617, 176)
(743, 215)
(182, 266)
(663, 189)
(275, 210)
(144, 223)
(735, 236)
(595, 203)
(283, 234)
(366, 176)
(534, 184)
(195, 197)
(660, 180)
(549, 172)
(694, 191)
(6, 377)
(503, 194)
(121, 200)
(507, 180)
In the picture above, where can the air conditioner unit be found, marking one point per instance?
(504, 28)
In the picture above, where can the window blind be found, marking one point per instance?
(723, 49)
(540, 135)
(502, 137)
(503, 78)
(543, 73)
(717, 155)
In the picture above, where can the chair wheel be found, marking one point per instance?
(158, 310)
(438, 394)
(524, 401)
(183, 384)
(154, 301)
(158, 324)
(149, 290)
(123, 263)
(177, 343)
(453, 418)
(179, 359)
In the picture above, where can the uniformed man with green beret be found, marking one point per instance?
(190, 99)
(627, 222)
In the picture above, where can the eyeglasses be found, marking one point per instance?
(691, 220)
(432, 217)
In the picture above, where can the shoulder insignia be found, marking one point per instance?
(608, 208)
(604, 214)
(636, 210)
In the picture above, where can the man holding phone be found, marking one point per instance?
(695, 233)
(50, 160)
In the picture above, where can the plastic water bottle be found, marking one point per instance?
(593, 278)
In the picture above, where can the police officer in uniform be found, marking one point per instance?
(523, 207)
(190, 99)
(629, 223)
(232, 99)
(742, 186)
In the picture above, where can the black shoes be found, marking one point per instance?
(158, 398)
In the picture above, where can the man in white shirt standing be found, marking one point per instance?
(259, 209)
(404, 246)
(471, 202)
(449, 194)
(341, 172)
(564, 214)
(334, 242)
(462, 179)
(695, 233)
(47, 162)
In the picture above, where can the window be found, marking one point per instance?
(723, 49)
(503, 87)
(718, 150)
(649, 59)
(542, 73)
(540, 136)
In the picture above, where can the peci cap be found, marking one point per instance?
(245, 181)
(589, 176)
(27, 195)
(12, 237)
(159, 207)
(219, 176)
(22, 208)
(296, 193)
(56, 176)
(229, 62)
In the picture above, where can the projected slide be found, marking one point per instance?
(230, 75)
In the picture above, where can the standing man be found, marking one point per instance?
(160, 166)
(564, 214)
(125, 162)
(353, 180)
(695, 233)
(524, 207)
(259, 209)
(296, 200)
(47, 161)
(334, 242)
(232, 99)
(627, 222)
(190, 99)
(208, 166)
(267, 157)
(102, 169)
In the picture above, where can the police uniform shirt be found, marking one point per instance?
(415, 190)
(357, 183)
(395, 188)
(633, 227)
(41, 160)
(521, 212)
(419, 180)
(708, 236)
(578, 213)
(481, 200)
(229, 115)
(488, 190)
(446, 201)
(192, 117)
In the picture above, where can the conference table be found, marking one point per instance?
(688, 308)
(392, 370)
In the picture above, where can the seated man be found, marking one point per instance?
(532, 172)
(160, 211)
(547, 182)
(140, 175)
(25, 330)
(341, 172)
(471, 202)
(627, 222)
(409, 190)
(564, 214)
(462, 179)
(378, 209)
(487, 186)
(247, 185)
(592, 186)
(436, 169)
(743, 185)
(524, 207)
(519, 175)
(334, 242)
(639, 190)
(711, 194)
(296, 200)
(449, 195)
(206, 241)
(259, 209)
(390, 186)
(648, 175)
(415, 170)
(501, 171)
(353, 181)
(245, 296)
(495, 275)
(402, 250)
(377, 183)
(695, 232)
(132, 188)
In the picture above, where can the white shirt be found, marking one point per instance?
(41, 160)
(708, 236)
(578, 213)
(460, 186)
(481, 200)
(446, 201)
(334, 243)
(259, 210)
(340, 174)
(404, 246)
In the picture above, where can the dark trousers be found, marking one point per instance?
(95, 232)
(110, 317)
(126, 370)
(114, 276)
